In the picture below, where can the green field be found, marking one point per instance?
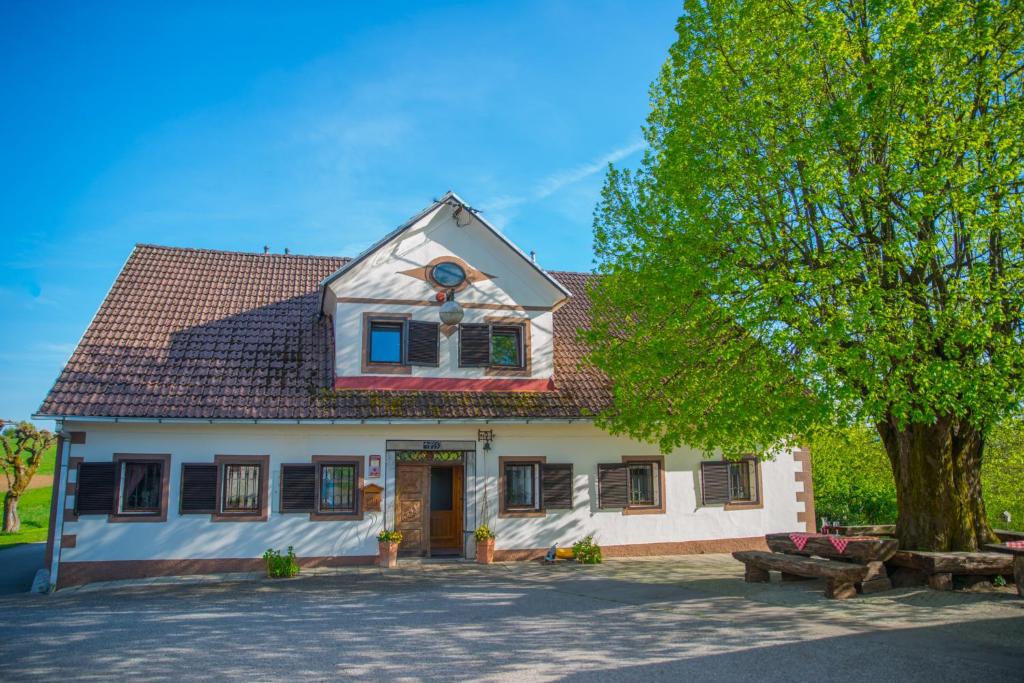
(34, 509)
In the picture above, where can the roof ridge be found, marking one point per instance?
(203, 250)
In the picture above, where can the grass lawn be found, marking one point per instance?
(34, 509)
(47, 465)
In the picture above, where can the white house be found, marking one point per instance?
(223, 403)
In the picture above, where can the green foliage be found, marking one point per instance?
(483, 533)
(853, 481)
(281, 566)
(827, 228)
(389, 536)
(586, 551)
(1003, 475)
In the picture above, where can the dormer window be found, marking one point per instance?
(448, 274)
(507, 346)
(496, 346)
(385, 342)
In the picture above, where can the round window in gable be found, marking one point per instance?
(448, 274)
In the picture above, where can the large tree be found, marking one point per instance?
(23, 447)
(827, 228)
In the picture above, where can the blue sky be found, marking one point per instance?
(317, 128)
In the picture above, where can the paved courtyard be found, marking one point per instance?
(672, 619)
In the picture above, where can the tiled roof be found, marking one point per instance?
(195, 333)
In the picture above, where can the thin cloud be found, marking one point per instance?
(555, 182)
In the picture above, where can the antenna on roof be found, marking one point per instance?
(266, 249)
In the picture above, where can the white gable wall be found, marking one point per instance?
(377, 285)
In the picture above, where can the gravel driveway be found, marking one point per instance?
(678, 619)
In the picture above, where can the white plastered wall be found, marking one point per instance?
(195, 536)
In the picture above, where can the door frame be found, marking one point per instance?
(426, 507)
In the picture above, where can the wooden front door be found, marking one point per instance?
(446, 510)
(412, 489)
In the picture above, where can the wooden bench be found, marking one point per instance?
(1018, 562)
(937, 569)
(840, 576)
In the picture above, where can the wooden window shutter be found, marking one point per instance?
(611, 485)
(94, 494)
(556, 487)
(198, 489)
(714, 478)
(421, 342)
(474, 346)
(298, 488)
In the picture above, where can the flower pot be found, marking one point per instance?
(387, 555)
(485, 551)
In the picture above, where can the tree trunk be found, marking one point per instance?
(12, 523)
(937, 468)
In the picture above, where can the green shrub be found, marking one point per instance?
(392, 536)
(853, 481)
(281, 566)
(1002, 475)
(586, 551)
(483, 533)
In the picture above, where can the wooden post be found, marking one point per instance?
(941, 581)
(755, 574)
(839, 589)
(1018, 574)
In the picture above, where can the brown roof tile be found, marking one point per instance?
(195, 333)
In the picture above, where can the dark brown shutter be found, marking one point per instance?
(714, 482)
(94, 493)
(198, 489)
(421, 342)
(474, 346)
(556, 487)
(298, 488)
(611, 486)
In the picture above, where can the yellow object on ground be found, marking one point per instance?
(563, 553)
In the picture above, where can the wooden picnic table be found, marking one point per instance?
(858, 549)
(870, 552)
(1018, 562)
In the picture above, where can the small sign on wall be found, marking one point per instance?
(374, 468)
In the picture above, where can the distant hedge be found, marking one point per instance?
(853, 480)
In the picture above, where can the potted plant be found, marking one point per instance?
(387, 547)
(484, 544)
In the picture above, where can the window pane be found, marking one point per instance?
(385, 342)
(740, 480)
(241, 488)
(505, 346)
(519, 485)
(141, 486)
(641, 485)
(338, 488)
(440, 489)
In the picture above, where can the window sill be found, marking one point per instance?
(335, 516)
(140, 517)
(644, 510)
(522, 513)
(386, 369)
(238, 517)
(754, 505)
